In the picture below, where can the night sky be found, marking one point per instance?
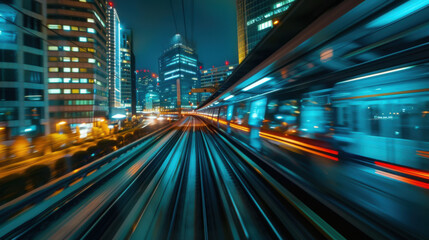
(215, 29)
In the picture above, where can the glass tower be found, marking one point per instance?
(126, 71)
(23, 75)
(114, 57)
(255, 18)
(178, 64)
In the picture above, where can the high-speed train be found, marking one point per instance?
(363, 93)
(382, 118)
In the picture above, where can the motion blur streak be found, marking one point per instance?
(301, 143)
(239, 127)
(301, 148)
(403, 179)
(405, 170)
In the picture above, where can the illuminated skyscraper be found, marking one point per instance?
(114, 57)
(147, 90)
(23, 65)
(178, 64)
(214, 77)
(126, 68)
(254, 19)
(77, 62)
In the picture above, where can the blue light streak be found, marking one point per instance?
(399, 12)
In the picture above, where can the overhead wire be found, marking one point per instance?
(184, 19)
(174, 16)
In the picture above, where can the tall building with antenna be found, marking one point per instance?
(23, 76)
(77, 63)
(178, 65)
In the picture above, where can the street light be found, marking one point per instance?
(58, 125)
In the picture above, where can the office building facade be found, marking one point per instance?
(77, 62)
(148, 91)
(214, 77)
(126, 68)
(178, 65)
(255, 18)
(23, 75)
(114, 57)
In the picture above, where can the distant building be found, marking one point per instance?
(126, 68)
(23, 75)
(179, 63)
(255, 18)
(114, 58)
(77, 62)
(214, 77)
(147, 91)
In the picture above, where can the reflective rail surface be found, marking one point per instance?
(193, 181)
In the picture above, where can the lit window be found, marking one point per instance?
(54, 91)
(91, 60)
(74, 28)
(67, 91)
(75, 49)
(91, 20)
(75, 59)
(83, 91)
(53, 48)
(75, 80)
(67, 70)
(83, 80)
(66, 28)
(55, 80)
(66, 48)
(83, 70)
(75, 91)
(91, 50)
(53, 59)
(75, 70)
(265, 25)
(54, 26)
(66, 59)
(90, 30)
(67, 80)
(83, 39)
(53, 69)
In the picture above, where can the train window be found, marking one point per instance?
(229, 113)
(241, 115)
(222, 112)
(354, 116)
(414, 121)
(282, 116)
(316, 116)
(257, 112)
(374, 116)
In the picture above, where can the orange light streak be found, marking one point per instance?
(223, 122)
(423, 155)
(403, 179)
(239, 127)
(302, 148)
(405, 170)
(301, 143)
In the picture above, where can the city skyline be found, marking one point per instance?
(215, 30)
